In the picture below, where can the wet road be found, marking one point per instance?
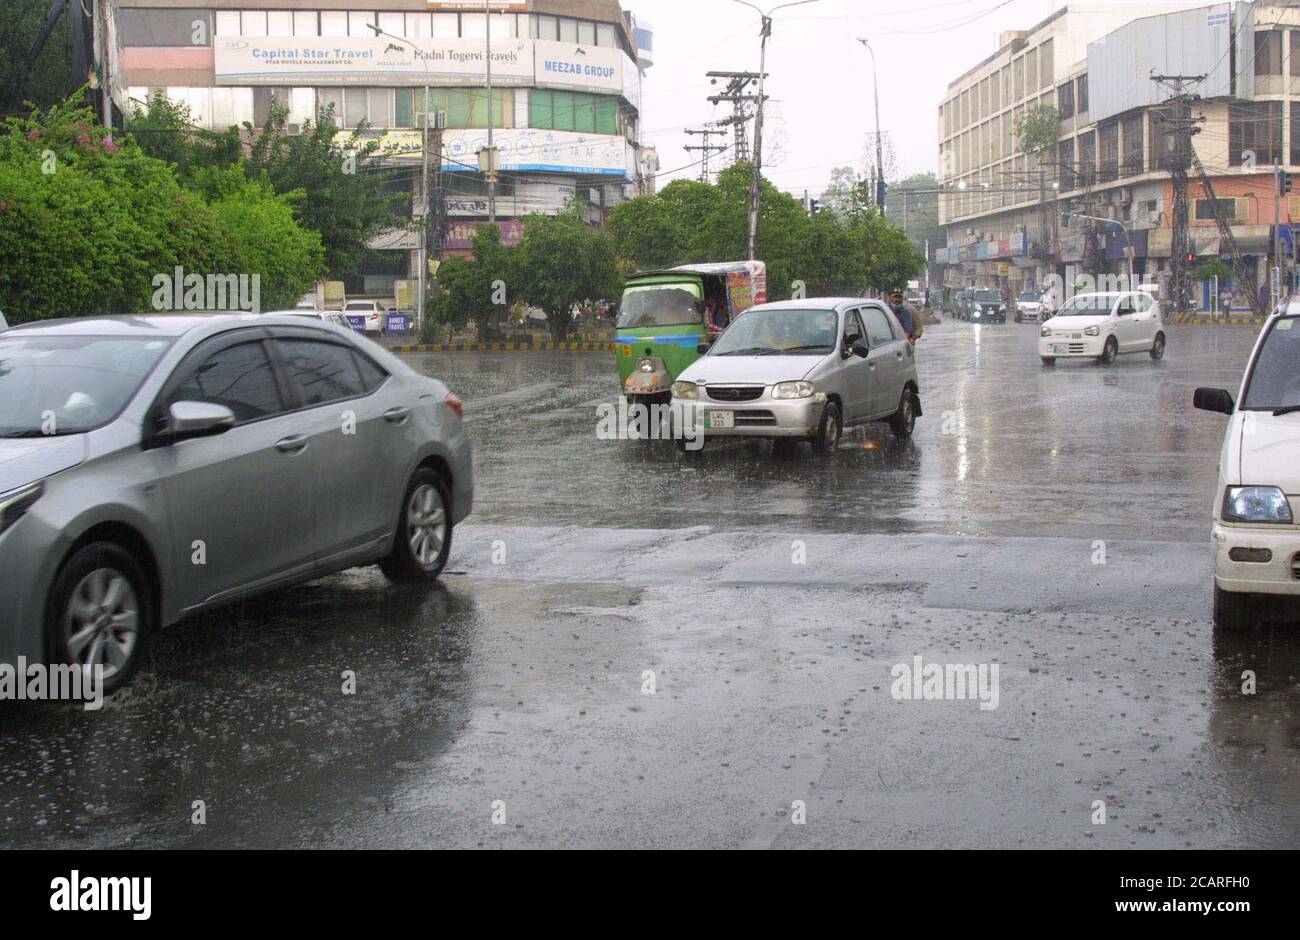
(764, 601)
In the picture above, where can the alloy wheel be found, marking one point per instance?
(101, 625)
(426, 525)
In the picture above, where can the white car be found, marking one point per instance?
(370, 309)
(332, 317)
(1102, 326)
(1257, 502)
(1029, 307)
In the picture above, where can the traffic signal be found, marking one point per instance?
(1191, 258)
(1284, 183)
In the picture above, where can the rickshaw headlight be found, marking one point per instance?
(647, 365)
(688, 391)
(784, 391)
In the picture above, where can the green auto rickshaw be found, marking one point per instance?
(666, 316)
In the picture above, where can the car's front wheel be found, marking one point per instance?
(829, 431)
(904, 420)
(1158, 347)
(1235, 611)
(423, 539)
(100, 613)
(1109, 352)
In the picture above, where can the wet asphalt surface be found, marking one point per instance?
(592, 571)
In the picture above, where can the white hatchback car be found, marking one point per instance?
(1101, 326)
(1256, 538)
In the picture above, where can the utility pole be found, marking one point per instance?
(707, 148)
(880, 147)
(736, 95)
(491, 145)
(755, 188)
(1175, 118)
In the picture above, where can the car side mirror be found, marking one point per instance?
(1217, 400)
(860, 348)
(190, 419)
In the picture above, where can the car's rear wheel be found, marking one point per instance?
(1235, 611)
(100, 613)
(1109, 352)
(423, 539)
(1158, 347)
(904, 420)
(829, 431)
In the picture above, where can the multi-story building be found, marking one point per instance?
(565, 103)
(1097, 66)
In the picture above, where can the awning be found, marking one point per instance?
(1205, 241)
(1253, 239)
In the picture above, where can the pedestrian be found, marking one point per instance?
(908, 316)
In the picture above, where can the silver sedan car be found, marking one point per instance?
(153, 467)
(802, 370)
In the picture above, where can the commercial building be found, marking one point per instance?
(1096, 65)
(565, 103)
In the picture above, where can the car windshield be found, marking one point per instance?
(1275, 380)
(361, 307)
(1029, 297)
(779, 333)
(52, 385)
(1088, 305)
(661, 305)
(988, 297)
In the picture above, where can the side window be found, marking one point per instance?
(879, 329)
(371, 375)
(239, 377)
(1144, 303)
(852, 328)
(320, 372)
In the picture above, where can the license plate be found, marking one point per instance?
(1058, 348)
(719, 420)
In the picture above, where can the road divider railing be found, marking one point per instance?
(535, 346)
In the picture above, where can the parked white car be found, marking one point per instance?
(1102, 326)
(332, 317)
(370, 309)
(1256, 538)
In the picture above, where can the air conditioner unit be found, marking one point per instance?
(293, 130)
(1125, 196)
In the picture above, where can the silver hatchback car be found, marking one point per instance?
(803, 370)
(153, 467)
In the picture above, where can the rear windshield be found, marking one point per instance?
(661, 305)
(1275, 380)
(988, 297)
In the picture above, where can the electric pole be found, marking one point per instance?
(1178, 128)
(707, 148)
(738, 97)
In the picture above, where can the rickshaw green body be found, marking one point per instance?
(652, 350)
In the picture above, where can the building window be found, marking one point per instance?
(1065, 159)
(468, 107)
(1295, 53)
(1018, 78)
(1065, 100)
(227, 22)
(1268, 52)
(606, 35)
(333, 24)
(1087, 158)
(165, 27)
(1205, 209)
(1295, 131)
(1108, 152)
(1082, 96)
(306, 24)
(572, 111)
(252, 23)
(1133, 150)
(1046, 65)
(548, 27)
(279, 23)
(446, 25)
(394, 24)
(1255, 127)
(359, 24)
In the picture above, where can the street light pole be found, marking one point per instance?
(755, 188)
(880, 148)
(491, 146)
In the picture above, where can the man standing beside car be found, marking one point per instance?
(908, 316)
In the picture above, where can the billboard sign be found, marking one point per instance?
(357, 60)
(581, 68)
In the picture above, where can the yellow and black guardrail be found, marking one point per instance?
(1191, 318)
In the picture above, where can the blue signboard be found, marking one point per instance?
(358, 323)
(396, 323)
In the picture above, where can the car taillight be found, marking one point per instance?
(456, 405)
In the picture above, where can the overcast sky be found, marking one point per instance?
(819, 76)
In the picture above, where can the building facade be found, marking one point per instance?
(565, 103)
(1005, 211)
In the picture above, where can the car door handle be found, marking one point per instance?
(292, 445)
(397, 415)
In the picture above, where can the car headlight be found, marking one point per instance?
(1256, 504)
(784, 391)
(16, 502)
(686, 390)
(1092, 331)
(646, 365)
(1044, 332)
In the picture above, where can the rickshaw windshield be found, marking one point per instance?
(661, 305)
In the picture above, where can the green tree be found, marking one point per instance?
(45, 81)
(1037, 131)
(474, 288)
(165, 130)
(561, 263)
